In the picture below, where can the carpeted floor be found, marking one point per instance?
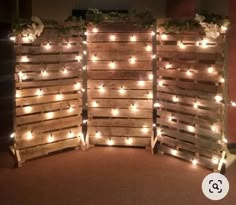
(106, 176)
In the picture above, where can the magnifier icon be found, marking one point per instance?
(215, 186)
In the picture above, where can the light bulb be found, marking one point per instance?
(175, 99)
(174, 151)
(215, 160)
(83, 90)
(47, 46)
(204, 43)
(132, 60)
(64, 71)
(68, 45)
(28, 109)
(94, 58)
(233, 104)
(134, 107)
(168, 65)
(223, 29)
(39, 93)
(18, 94)
(13, 135)
(94, 104)
(189, 73)
(156, 105)
(152, 33)
(13, 38)
(71, 109)
(159, 132)
(197, 43)
(70, 134)
(78, 58)
(129, 141)
(150, 76)
(161, 83)
(133, 38)
(85, 52)
(194, 162)
(144, 129)
(95, 30)
(191, 128)
(195, 105)
(115, 111)
(141, 83)
(102, 89)
(25, 39)
(44, 73)
(163, 37)
(50, 138)
(149, 95)
(112, 37)
(214, 128)
(112, 65)
(24, 59)
(170, 118)
(98, 135)
(84, 42)
(154, 56)
(29, 135)
(85, 121)
(85, 33)
(122, 91)
(77, 86)
(110, 142)
(225, 140)
(218, 98)
(148, 48)
(181, 45)
(59, 97)
(49, 115)
(222, 80)
(210, 70)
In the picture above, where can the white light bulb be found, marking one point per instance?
(152, 33)
(13, 135)
(98, 135)
(50, 138)
(94, 104)
(39, 93)
(24, 59)
(189, 73)
(175, 99)
(154, 56)
(95, 30)
(218, 98)
(174, 151)
(29, 135)
(129, 141)
(132, 60)
(194, 162)
(156, 105)
(49, 115)
(181, 45)
(148, 48)
(78, 58)
(84, 42)
(68, 45)
(112, 65)
(85, 52)
(112, 37)
(134, 108)
(115, 111)
(71, 109)
(150, 76)
(195, 105)
(47, 46)
(204, 43)
(25, 39)
(44, 73)
(159, 132)
(223, 29)
(28, 109)
(149, 95)
(214, 128)
(225, 140)
(222, 80)
(18, 94)
(168, 65)
(133, 38)
(85, 121)
(13, 38)
(163, 37)
(210, 70)
(77, 86)
(94, 58)
(59, 97)
(110, 142)
(141, 83)
(64, 71)
(161, 83)
(102, 89)
(170, 118)
(122, 90)
(215, 160)
(233, 104)
(145, 129)
(191, 128)
(70, 134)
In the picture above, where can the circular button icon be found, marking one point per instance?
(215, 186)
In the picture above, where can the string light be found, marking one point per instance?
(144, 129)
(70, 134)
(132, 60)
(84, 42)
(49, 115)
(233, 104)
(175, 99)
(225, 140)
(197, 43)
(133, 107)
(85, 52)
(112, 37)
(153, 33)
(95, 30)
(133, 38)
(13, 38)
(194, 162)
(12, 135)
(18, 94)
(64, 71)
(44, 73)
(85, 121)
(181, 45)
(29, 135)
(174, 152)
(110, 142)
(68, 45)
(214, 128)
(215, 160)
(168, 65)
(210, 70)
(25, 39)
(204, 43)
(122, 90)
(154, 125)
(94, 58)
(161, 83)
(59, 97)
(77, 86)
(129, 141)
(28, 109)
(85, 33)
(171, 118)
(98, 135)
(141, 83)
(83, 90)
(24, 59)
(157, 105)
(71, 109)
(218, 98)
(78, 58)
(195, 105)
(163, 37)
(159, 132)
(223, 29)
(50, 138)
(47, 46)
(102, 89)
(115, 111)
(150, 76)
(39, 93)
(112, 65)
(149, 95)
(148, 48)
(222, 80)
(191, 128)
(94, 104)
(154, 56)
(189, 73)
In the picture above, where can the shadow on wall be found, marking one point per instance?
(7, 63)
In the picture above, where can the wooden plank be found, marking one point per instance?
(123, 113)
(38, 151)
(121, 131)
(121, 27)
